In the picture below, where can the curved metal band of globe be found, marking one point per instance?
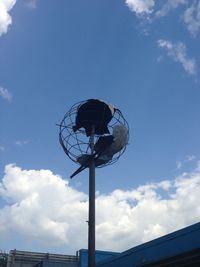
(76, 143)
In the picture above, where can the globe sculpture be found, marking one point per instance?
(93, 134)
(76, 142)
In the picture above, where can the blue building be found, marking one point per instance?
(180, 248)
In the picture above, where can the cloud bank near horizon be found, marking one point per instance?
(41, 206)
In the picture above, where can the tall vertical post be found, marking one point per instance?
(91, 223)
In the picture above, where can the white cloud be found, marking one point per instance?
(141, 6)
(42, 207)
(21, 142)
(2, 148)
(32, 4)
(187, 159)
(178, 165)
(178, 52)
(4, 93)
(147, 7)
(168, 6)
(190, 158)
(191, 18)
(5, 18)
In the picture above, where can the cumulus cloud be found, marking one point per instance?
(191, 18)
(4, 93)
(178, 52)
(141, 6)
(41, 206)
(5, 18)
(144, 214)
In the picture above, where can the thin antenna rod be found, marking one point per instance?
(91, 224)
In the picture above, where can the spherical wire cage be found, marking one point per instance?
(76, 143)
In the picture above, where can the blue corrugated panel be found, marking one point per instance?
(99, 256)
(181, 241)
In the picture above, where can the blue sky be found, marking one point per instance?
(142, 56)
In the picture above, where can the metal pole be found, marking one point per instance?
(91, 223)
